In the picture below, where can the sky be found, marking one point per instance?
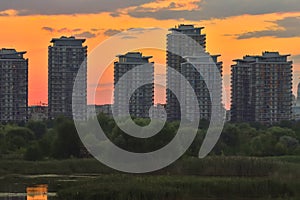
(234, 28)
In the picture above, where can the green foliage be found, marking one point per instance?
(38, 127)
(214, 177)
(60, 140)
(33, 153)
(18, 137)
(67, 142)
(129, 187)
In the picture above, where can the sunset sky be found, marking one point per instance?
(234, 28)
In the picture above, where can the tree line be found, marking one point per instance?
(58, 139)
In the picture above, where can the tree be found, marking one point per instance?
(67, 143)
(33, 153)
(46, 142)
(38, 127)
(18, 137)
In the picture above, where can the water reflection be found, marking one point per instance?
(39, 192)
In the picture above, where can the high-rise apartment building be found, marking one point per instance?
(206, 85)
(13, 86)
(185, 45)
(142, 99)
(65, 57)
(261, 88)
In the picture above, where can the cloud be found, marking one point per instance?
(49, 29)
(208, 9)
(139, 30)
(286, 28)
(53, 7)
(130, 33)
(200, 10)
(76, 29)
(115, 14)
(86, 34)
(95, 29)
(172, 5)
(111, 32)
(63, 30)
(3, 14)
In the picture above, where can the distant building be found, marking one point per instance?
(159, 112)
(65, 57)
(185, 54)
(212, 70)
(296, 106)
(228, 116)
(38, 113)
(105, 109)
(294, 100)
(296, 113)
(143, 98)
(298, 96)
(261, 88)
(13, 86)
(176, 46)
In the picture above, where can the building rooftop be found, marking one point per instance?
(133, 57)
(265, 57)
(268, 54)
(11, 54)
(67, 41)
(187, 28)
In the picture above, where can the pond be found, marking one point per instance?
(36, 192)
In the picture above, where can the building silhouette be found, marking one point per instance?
(142, 99)
(185, 45)
(261, 88)
(65, 57)
(13, 86)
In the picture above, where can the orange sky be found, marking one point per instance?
(27, 33)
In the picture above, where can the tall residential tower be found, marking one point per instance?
(65, 57)
(13, 86)
(261, 88)
(186, 51)
(142, 99)
(205, 85)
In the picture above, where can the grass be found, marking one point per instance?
(210, 166)
(128, 187)
(63, 167)
(186, 179)
(291, 159)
